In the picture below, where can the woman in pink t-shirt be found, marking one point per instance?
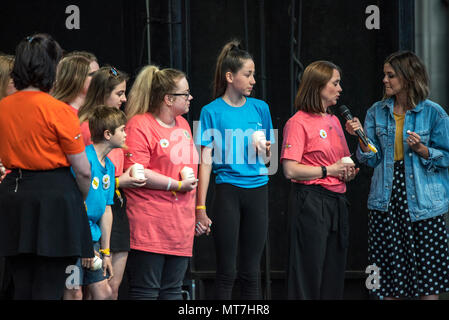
(312, 151)
(161, 214)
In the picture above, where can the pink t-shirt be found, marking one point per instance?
(116, 155)
(314, 140)
(160, 221)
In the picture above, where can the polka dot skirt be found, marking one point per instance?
(413, 258)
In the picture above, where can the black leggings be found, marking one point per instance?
(240, 222)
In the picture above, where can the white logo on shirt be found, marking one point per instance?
(95, 183)
(106, 181)
(323, 134)
(164, 143)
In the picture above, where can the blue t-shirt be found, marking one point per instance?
(228, 131)
(101, 192)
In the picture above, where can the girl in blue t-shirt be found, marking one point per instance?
(235, 136)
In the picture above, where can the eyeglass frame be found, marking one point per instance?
(186, 95)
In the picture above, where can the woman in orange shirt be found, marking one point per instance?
(43, 222)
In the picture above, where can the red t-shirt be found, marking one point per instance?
(159, 221)
(315, 140)
(37, 131)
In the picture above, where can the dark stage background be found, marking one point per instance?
(284, 36)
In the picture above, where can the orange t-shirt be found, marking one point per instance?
(37, 131)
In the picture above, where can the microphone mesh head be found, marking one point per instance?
(344, 111)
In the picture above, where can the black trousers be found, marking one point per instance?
(240, 222)
(37, 277)
(318, 241)
(153, 276)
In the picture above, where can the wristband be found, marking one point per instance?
(169, 184)
(179, 185)
(324, 170)
(106, 252)
(201, 207)
(116, 183)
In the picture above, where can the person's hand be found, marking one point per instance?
(202, 223)
(127, 181)
(414, 141)
(268, 149)
(188, 184)
(2, 171)
(107, 266)
(353, 125)
(87, 263)
(351, 173)
(340, 170)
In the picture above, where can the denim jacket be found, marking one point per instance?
(427, 181)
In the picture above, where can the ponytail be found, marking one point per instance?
(231, 58)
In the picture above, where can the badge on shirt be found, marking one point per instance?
(95, 183)
(106, 181)
(187, 134)
(323, 134)
(164, 143)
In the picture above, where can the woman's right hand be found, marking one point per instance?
(353, 125)
(127, 181)
(339, 169)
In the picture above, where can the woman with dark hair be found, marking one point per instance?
(235, 137)
(408, 199)
(43, 221)
(312, 157)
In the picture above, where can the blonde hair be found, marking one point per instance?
(6, 65)
(231, 58)
(71, 75)
(101, 86)
(314, 79)
(411, 70)
(150, 88)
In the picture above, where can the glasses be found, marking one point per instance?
(186, 94)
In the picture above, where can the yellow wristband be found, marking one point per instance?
(179, 185)
(106, 252)
(116, 183)
(201, 207)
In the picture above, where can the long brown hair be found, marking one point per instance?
(411, 70)
(101, 86)
(314, 79)
(71, 75)
(231, 58)
(149, 89)
(6, 64)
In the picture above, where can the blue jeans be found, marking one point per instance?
(153, 276)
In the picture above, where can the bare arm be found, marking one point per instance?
(81, 167)
(204, 172)
(294, 170)
(106, 227)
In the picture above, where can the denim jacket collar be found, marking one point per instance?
(389, 103)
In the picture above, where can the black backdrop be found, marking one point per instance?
(189, 34)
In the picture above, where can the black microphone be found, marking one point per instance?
(344, 111)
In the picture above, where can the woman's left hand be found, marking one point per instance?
(414, 142)
(351, 173)
(107, 267)
(202, 223)
(2, 171)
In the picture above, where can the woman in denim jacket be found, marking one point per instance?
(408, 199)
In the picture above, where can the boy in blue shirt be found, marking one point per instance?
(107, 128)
